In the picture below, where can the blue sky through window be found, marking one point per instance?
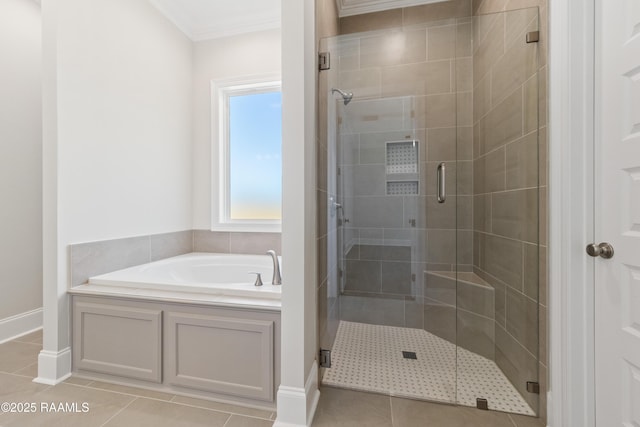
(255, 156)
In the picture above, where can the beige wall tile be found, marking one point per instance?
(326, 18)
(349, 54)
(503, 124)
(489, 49)
(517, 22)
(542, 96)
(463, 39)
(441, 144)
(531, 108)
(492, 6)
(514, 214)
(373, 309)
(517, 364)
(254, 243)
(522, 319)
(393, 48)
(502, 258)
(362, 83)
(482, 212)
(210, 241)
(489, 172)
(441, 42)
(371, 21)
(464, 106)
(522, 162)
(482, 98)
(435, 111)
(464, 74)
(437, 11)
(475, 333)
(464, 142)
(417, 79)
(517, 65)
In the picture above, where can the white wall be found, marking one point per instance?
(298, 393)
(243, 55)
(20, 159)
(117, 160)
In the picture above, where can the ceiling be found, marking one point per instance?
(210, 19)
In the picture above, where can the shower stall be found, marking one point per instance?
(430, 259)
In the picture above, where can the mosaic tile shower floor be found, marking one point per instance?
(369, 358)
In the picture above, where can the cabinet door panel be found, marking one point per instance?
(117, 340)
(220, 354)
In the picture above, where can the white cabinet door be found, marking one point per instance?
(617, 215)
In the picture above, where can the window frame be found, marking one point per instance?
(221, 91)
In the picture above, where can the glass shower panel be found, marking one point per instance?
(387, 131)
(498, 237)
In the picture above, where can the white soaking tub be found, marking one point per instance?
(201, 273)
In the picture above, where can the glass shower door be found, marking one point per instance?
(498, 291)
(430, 136)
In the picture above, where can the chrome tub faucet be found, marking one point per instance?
(277, 279)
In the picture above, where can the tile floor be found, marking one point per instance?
(112, 405)
(369, 358)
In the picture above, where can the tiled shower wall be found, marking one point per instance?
(509, 106)
(412, 82)
(364, 74)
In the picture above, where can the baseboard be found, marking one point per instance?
(53, 367)
(20, 324)
(297, 406)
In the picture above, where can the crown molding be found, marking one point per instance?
(233, 29)
(230, 27)
(359, 7)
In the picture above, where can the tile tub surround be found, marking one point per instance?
(94, 258)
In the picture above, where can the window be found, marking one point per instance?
(247, 154)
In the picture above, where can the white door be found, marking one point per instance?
(617, 216)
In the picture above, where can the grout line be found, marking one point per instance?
(512, 421)
(118, 413)
(391, 410)
(227, 422)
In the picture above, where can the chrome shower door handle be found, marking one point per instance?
(441, 183)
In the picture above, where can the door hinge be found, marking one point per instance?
(324, 61)
(482, 403)
(533, 387)
(533, 37)
(325, 358)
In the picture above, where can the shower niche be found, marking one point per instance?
(452, 279)
(402, 168)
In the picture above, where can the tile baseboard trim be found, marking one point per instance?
(297, 406)
(20, 324)
(53, 366)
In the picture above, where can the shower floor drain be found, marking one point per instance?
(409, 355)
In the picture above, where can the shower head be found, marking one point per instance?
(346, 96)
